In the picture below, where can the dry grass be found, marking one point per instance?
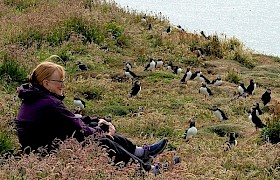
(168, 105)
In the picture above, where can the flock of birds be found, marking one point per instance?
(243, 92)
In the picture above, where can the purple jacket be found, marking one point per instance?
(43, 117)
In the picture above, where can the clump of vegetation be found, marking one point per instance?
(233, 76)
(11, 71)
(271, 132)
(6, 144)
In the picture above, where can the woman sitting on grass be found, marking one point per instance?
(43, 118)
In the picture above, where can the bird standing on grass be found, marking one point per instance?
(79, 102)
(130, 74)
(144, 20)
(219, 113)
(217, 82)
(191, 131)
(150, 66)
(159, 63)
(82, 66)
(195, 75)
(205, 90)
(253, 117)
(135, 89)
(241, 88)
(127, 65)
(266, 97)
(231, 142)
(258, 110)
(168, 30)
(186, 76)
(252, 87)
(176, 70)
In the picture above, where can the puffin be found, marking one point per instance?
(127, 65)
(129, 73)
(241, 88)
(205, 90)
(219, 113)
(82, 66)
(168, 30)
(251, 88)
(258, 110)
(135, 89)
(150, 66)
(231, 142)
(253, 117)
(191, 131)
(217, 82)
(186, 76)
(195, 75)
(266, 97)
(79, 102)
(144, 20)
(177, 70)
(159, 63)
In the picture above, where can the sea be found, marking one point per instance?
(255, 23)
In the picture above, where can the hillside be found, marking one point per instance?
(103, 36)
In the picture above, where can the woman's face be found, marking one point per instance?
(55, 83)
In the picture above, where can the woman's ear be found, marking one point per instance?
(45, 83)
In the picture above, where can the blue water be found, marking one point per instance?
(255, 23)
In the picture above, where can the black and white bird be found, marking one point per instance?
(241, 88)
(203, 79)
(219, 113)
(79, 102)
(199, 52)
(251, 88)
(217, 82)
(150, 66)
(82, 66)
(258, 110)
(170, 65)
(159, 63)
(180, 28)
(176, 70)
(266, 97)
(231, 142)
(128, 73)
(150, 27)
(78, 112)
(135, 89)
(186, 76)
(254, 118)
(127, 65)
(168, 30)
(144, 20)
(205, 90)
(195, 75)
(191, 131)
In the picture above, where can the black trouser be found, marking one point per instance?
(123, 150)
(115, 143)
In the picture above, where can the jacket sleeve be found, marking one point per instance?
(69, 117)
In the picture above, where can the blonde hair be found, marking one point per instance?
(44, 71)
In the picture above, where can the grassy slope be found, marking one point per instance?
(168, 104)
